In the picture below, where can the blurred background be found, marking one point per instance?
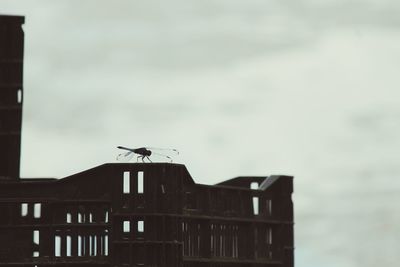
(305, 88)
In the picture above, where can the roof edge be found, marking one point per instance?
(12, 19)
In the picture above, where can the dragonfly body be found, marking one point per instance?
(143, 152)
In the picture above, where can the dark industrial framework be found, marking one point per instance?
(142, 214)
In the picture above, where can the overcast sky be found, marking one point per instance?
(305, 88)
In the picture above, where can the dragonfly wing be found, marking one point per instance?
(169, 151)
(125, 156)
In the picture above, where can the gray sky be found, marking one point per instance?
(306, 88)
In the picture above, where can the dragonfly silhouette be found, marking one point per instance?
(145, 152)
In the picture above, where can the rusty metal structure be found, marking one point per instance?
(130, 214)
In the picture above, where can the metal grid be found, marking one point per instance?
(109, 216)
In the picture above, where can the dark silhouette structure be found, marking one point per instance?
(11, 63)
(122, 214)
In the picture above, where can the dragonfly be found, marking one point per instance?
(145, 153)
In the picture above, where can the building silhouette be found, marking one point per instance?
(130, 214)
